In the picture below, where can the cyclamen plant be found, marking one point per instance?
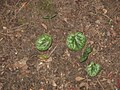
(43, 42)
(76, 41)
(93, 69)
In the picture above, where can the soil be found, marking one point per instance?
(21, 65)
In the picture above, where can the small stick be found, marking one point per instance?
(1, 39)
(52, 51)
(109, 18)
(100, 84)
(5, 34)
(23, 5)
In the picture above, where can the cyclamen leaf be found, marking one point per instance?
(76, 41)
(86, 53)
(93, 69)
(43, 42)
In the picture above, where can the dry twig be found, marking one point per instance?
(100, 84)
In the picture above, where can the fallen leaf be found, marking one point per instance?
(79, 78)
(21, 63)
(43, 57)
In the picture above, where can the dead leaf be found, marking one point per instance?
(79, 78)
(21, 63)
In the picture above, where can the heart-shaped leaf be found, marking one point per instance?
(76, 41)
(43, 42)
(93, 69)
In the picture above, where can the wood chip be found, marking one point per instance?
(44, 26)
(54, 84)
(4, 27)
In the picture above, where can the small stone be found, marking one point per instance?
(105, 11)
(16, 53)
(4, 27)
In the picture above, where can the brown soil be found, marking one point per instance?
(21, 22)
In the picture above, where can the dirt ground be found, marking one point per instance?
(21, 65)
